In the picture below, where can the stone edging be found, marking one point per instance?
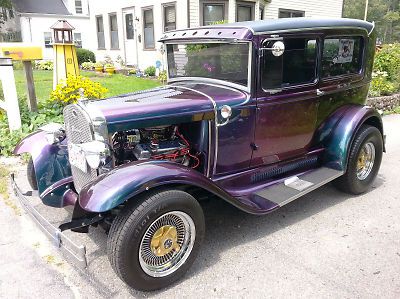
(385, 103)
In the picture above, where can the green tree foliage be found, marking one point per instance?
(4, 4)
(385, 14)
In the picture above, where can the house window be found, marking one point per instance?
(78, 6)
(296, 66)
(213, 11)
(78, 39)
(48, 39)
(244, 11)
(289, 13)
(114, 32)
(100, 32)
(341, 56)
(148, 29)
(169, 17)
(129, 30)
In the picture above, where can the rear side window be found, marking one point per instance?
(341, 56)
(296, 66)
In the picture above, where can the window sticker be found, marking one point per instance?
(346, 48)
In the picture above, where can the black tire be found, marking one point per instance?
(30, 172)
(128, 230)
(349, 182)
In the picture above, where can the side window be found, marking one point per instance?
(341, 56)
(296, 66)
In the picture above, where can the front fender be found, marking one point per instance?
(52, 166)
(123, 183)
(338, 132)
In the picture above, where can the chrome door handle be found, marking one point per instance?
(320, 92)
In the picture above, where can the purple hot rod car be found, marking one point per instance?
(254, 113)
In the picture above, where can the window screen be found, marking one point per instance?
(213, 13)
(148, 29)
(78, 39)
(114, 32)
(47, 39)
(244, 12)
(169, 18)
(296, 66)
(78, 6)
(100, 32)
(129, 30)
(341, 56)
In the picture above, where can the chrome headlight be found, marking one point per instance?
(55, 133)
(95, 153)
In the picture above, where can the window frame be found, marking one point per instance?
(97, 17)
(144, 9)
(49, 45)
(291, 11)
(77, 42)
(251, 5)
(80, 8)
(110, 15)
(203, 3)
(360, 74)
(318, 52)
(164, 6)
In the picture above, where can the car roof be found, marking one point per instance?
(246, 30)
(287, 24)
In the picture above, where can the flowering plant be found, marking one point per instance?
(73, 88)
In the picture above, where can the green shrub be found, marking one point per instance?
(380, 85)
(17, 65)
(44, 65)
(150, 71)
(31, 121)
(85, 55)
(388, 60)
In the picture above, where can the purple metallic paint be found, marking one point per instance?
(123, 183)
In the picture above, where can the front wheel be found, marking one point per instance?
(153, 244)
(364, 161)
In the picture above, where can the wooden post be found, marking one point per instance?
(30, 85)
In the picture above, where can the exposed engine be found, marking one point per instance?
(156, 143)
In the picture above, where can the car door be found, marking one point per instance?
(287, 99)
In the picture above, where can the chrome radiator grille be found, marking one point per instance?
(79, 130)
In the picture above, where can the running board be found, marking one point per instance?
(297, 186)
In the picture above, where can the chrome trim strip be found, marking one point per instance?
(77, 253)
(215, 124)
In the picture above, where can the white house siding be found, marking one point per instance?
(312, 8)
(144, 57)
(33, 27)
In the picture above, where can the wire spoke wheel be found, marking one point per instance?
(365, 161)
(167, 243)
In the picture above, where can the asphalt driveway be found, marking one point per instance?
(326, 244)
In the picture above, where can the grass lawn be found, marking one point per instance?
(116, 84)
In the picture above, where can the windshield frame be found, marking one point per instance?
(246, 88)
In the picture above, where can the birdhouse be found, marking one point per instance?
(62, 32)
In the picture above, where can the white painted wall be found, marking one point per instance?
(312, 8)
(34, 26)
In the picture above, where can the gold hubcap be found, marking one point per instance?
(164, 240)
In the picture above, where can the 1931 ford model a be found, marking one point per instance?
(255, 113)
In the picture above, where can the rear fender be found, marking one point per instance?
(52, 168)
(124, 183)
(338, 131)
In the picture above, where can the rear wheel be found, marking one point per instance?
(364, 161)
(30, 172)
(153, 244)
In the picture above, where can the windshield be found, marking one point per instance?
(221, 61)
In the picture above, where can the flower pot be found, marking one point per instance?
(98, 69)
(110, 70)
